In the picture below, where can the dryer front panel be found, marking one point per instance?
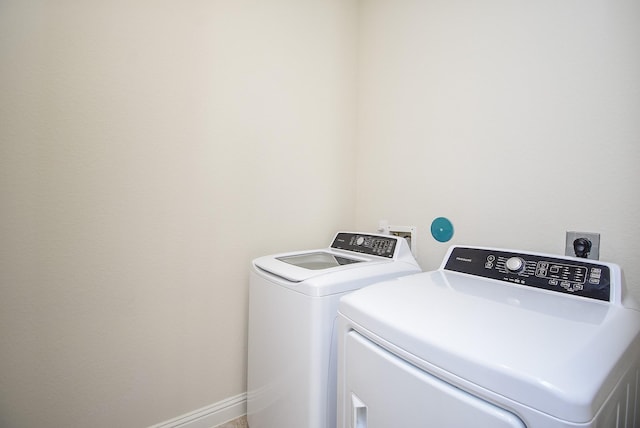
(381, 390)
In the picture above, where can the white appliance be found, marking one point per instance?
(293, 300)
(493, 338)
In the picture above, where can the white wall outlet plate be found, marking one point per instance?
(582, 244)
(410, 233)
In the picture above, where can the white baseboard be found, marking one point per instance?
(210, 416)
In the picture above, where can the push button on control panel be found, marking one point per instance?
(595, 275)
(490, 261)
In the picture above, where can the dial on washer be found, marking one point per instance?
(515, 264)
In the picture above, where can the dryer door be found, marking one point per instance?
(381, 390)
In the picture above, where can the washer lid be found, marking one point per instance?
(301, 266)
(559, 354)
(318, 260)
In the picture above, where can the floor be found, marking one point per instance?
(241, 422)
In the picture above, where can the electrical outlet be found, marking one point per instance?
(407, 232)
(583, 244)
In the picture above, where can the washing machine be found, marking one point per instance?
(293, 300)
(493, 338)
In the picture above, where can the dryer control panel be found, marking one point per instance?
(563, 275)
(375, 245)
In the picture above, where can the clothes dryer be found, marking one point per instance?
(293, 300)
(494, 338)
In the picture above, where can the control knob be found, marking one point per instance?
(515, 264)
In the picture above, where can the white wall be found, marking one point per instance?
(148, 151)
(516, 120)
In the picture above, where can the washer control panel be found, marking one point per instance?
(563, 275)
(367, 244)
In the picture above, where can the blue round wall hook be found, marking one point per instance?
(441, 229)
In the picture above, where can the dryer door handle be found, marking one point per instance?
(358, 412)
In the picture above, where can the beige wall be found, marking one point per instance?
(148, 151)
(516, 120)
